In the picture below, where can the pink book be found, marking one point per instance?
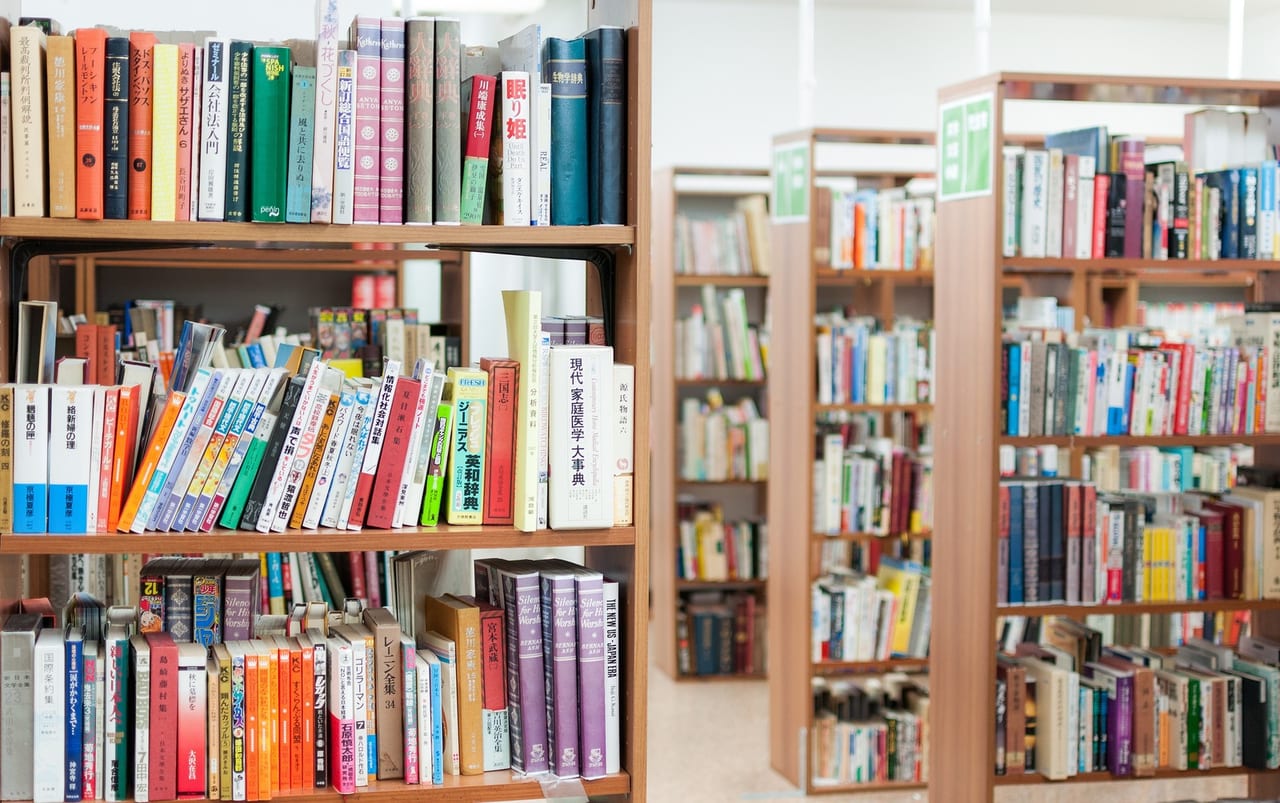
(197, 93)
(366, 33)
(110, 410)
(391, 177)
(342, 718)
(186, 107)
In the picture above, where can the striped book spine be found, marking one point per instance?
(391, 116)
(366, 33)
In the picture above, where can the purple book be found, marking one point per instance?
(366, 36)
(526, 692)
(1119, 687)
(560, 667)
(591, 669)
(170, 495)
(1133, 165)
(239, 595)
(391, 180)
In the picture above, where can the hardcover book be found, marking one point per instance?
(301, 143)
(580, 437)
(61, 64)
(366, 38)
(90, 70)
(186, 117)
(395, 450)
(420, 59)
(31, 459)
(460, 623)
(344, 167)
(239, 86)
(560, 667)
(467, 392)
(500, 439)
(213, 130)
(27, 74)
(164, 132)
(70, 412)
(392, 122)
(564, 61)
(478, 97)
(269, 137)
(115, 167)
(607, 124)
(323, 179)
(448, 122)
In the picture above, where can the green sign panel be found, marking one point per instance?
(966, 147)
(791, 183)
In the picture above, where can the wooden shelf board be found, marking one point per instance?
(828, 276)
(855, 136)
(324, 540)
(1094, 777)
(1136, 89)
(825, 537)
(877, 786)
(723, 482)
(1089, 441)
(721, 678)
(1190, 606)
(729, 383)
(315, 234)
(1138, 266)
(710, 585)
(728, 280)
(872, 408)
(869, 667)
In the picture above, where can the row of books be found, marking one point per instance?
(720, 634)
(713, 548)
(718, 340)
(888, 229)
(386, 701)
(1069, 705)
(735, 244)
(720, 441)
(396, 122)
(872, 617)
(872, 730)
(861, 362)
(1152, 631)
(1165, 469)
(1060, 541)
(863, 557)
(870, 485)
(1180, 320)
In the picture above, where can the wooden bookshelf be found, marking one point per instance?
(870, 667)
(703, 192)
(796, 298)
(972, 281)
(620, 552)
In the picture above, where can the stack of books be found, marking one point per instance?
(872, 618)
(390, 121)
(721, 442)
(859, 362)
(717, 340)
(721, 633)
(870, 731)
(736, 244)
(711, 548)
(889, 229)
(870, 485)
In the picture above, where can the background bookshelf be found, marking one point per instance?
(618, 290)
(975, 284)
(802, 285)
(696, 209)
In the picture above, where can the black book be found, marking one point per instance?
(115, 140)
(237, 195)
(1248, 228)
(1045, 527)
(1117, 203)
(1057, 545)
(1180, 231)
(262, 482)
(1132, 549)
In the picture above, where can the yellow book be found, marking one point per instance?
(223, 656)
(27, 45)
(213, 760)
(164, 132)
(61, 92)
(467, 391)
(353, 368)
(523, 309)
(6, 459)
(904, 583)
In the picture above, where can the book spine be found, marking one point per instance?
(206, 609)
(496, 722)
(565, 63)
(318, 769)
(92, 743)
(420, 59)
(106, 451)
(407, 671)
(214, 131)
(542, 158)
(1248, 233)
(141, 78)
(1134, 171)
(6, 145)
(441, 439)
(239, 82)
(326, 476)
(395, 450)
(591, 676)
(90, 69)
(500, 448)
(31, 460)
(475, 160)
(193, 175)
(516, 191)
(585, 500)
(342, 722)
(70, 414)
(185, 111)
(301, 145)
(269, 134)
(27, 73)
(192, 729)
(344, 169)
(526, 689)
(7, 447)
(323, 183)
(352, 449)
(613, 678)
(392, 123)
(1034, 203)
(464, 501)
(448, 122)
(377, 434)
(237, 607)
(607, 124)
(49, 718)
(366, 36)
(1070, 203)
(61, 61)
(164, 132)
(560, 665)
(306, 462)
(74, 709)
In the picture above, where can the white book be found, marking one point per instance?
(214, 133)
(423, 694)
(542, 155)
(408, 505)
(1084, 208)
(1013, 156)
(323, 190)
(1054, 203)
(329, 459)
(344, 161)
(192, 708)
(194, 452)
(1035, 210)
(185, 420)
(612, 678)
(280, 475)
(197, 128)
(342, 703)
(522, 52)
(6, 149)
(27, 46)
(360, 709)
(31, 459)
(17, 687)
(353, 445)
(377, 428)
(544, 388)
(330, 386)
(579, 444)
(395, 340)
(141, 692)
(50, 711)
(96, 752)
(422, 463)
(70, 444)
(516, 144)
(833, 469)
(95, 458)
(444, 650)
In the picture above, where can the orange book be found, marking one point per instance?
(268, 689)
(284, 694)
(859, 236)
(166, 365)
(148, 466)
(296, 689)
(125, 447)
(252, 743)
(91, 68)
(141, 70)
(186, 116)
(307, 682)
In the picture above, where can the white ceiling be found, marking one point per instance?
(1215, 10)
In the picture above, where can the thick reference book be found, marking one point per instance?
(239, 81)
(366, 39)
(467, 392)
(580, 437)
(565, 62)
(115, 166)
(500, 439)
(448, 123)
(607, 124)
(392, 122)
(419, 129)
(460, 623)
(269, 137)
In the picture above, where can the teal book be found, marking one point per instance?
(237, 195)
(301, 145)
(606, 124)
(269, 133)
(564, 62)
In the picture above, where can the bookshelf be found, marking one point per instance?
(804, 284)
(973, 283)
(701, 193)
(620, 293)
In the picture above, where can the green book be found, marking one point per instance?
(322, 582)
(301, 145)
(1193, 724)
(434, 493)
(269, 133)
(237, 194)
(231, 513)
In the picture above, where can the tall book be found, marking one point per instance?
(460, 623)
(61, 63)
(448, 122)
(478, 96)
(323, 188)
(420, 59)
(500, 440)
(591, 672)
(70, 411)
(27, 74)
(163, 726)
(239, 83)
(269, 138)
(91, 68)
(212, 184)
(164, 132)
(523, 310)
(439, 447)
(510, 183)
(17, 698)
(30, 459)
(344, 167)
(141, 77)
(607, 124)
(392, 123)
(612, 679)
(390, 702)
(377, 435)
(467, 393)
(580, 437)
(1131, 151)
(186, 119)
(6, 145)
(522, 52)
(395, 450)
(366, 38)
(560, 667)
(301, 142)
(565, 61)
(49, 717)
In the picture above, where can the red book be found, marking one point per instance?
(1133, 166)
(1232, 548)
(163, 750)
(110, 411)
(1182, 402)
(1101, 187)
(104, 364)
(186, 114)
(141, 69)
(500, 440)
(1070, 203)
(87, 347)
(395, 448)
(91, 69)
(355, 560)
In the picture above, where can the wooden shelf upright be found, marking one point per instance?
(803, 283)
(973, 280)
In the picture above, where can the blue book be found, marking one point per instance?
(871, 204)
(115, 133)
(837, 625)
(257, 358)
(151, 500)
(1015, 380)
(859, 395)
(606, 49)
(1202, 550)
(1267, 209)
(301, 145)
(1229, 213)
(1248, 212)
(74, 712)
(275, 575)
(1130, 374)
(1016, 595)
(565, 63)
(1084, 142)
(166, 507)
(437, 726)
